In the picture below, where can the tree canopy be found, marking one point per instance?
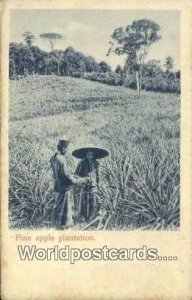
(61, 62)
(135, 39)
(51, 37)
(29, 38)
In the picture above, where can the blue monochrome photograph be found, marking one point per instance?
(94, 119)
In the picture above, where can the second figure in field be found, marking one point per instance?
(86, 199)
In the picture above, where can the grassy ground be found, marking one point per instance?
(140, 180)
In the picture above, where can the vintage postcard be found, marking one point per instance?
(96, 150)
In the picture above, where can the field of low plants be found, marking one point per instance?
(140, 180)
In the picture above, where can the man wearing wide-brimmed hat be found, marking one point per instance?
(62, 209)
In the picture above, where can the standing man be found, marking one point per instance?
(62, 209)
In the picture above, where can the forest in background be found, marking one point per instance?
(133, 42)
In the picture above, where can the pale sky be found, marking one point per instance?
(89, 31)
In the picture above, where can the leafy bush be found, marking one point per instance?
(110, 78)
(158, 83)
(24, 60)
(30, 193)
(162, 84)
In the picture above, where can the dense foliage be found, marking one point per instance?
(25, 60)
(158, 82)
(32, 60)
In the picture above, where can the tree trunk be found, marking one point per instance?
(25, 72)
(58, 69)
(140, 79)
(14, 70)
(138, 82)
(81, 72)
(125, 76)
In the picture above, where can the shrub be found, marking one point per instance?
(30, 193)
(158, 83)
(110, 78)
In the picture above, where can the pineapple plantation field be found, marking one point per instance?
(139, 188)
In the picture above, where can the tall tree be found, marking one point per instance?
(70, 61)
(119, 70)
(152, 68)
(169, 64)
(134, 42)
(57, 57)
(29, 38)
(91, 64)
(51, 37)
(21, 58)
(39, 60)
(104, 67)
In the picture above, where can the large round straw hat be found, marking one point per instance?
(98, 152)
